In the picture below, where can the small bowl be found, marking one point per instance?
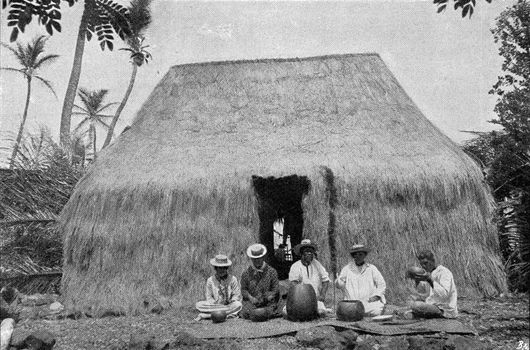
(218, 316)
(259, 315)
(415, 271)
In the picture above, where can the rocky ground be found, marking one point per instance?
(501, 323)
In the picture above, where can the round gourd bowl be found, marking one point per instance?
(218, 316)
(415, 271)
(301, 303)
(350, 310)
(259, 315)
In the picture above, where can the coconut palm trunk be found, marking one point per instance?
(110, 132)
(73, 82)
(22, 123)
(92, 136)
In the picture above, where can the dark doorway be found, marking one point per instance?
(280, 201)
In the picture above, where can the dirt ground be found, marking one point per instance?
(501, 322)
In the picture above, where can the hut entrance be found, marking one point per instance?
(281, 217)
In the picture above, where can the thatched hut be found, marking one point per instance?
(221, 150)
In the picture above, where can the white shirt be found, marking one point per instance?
(443, 294)
(314, 274)
(361, 282)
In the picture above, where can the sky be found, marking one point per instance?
(445, 63)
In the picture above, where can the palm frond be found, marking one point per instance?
(107, 106)
(83, 110)
(13, 50)
(48, 59)
(79, 113)
(92, 100)
(103, 123)
(46, 83)
(29, 277)
(81, 125)
(139, 16)
(13, 70)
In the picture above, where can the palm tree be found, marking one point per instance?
(139, 20)
(92, 110)
(31, 57)
(100, 18)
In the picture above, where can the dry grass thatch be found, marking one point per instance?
(176, 188)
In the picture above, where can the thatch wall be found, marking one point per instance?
(176, 188)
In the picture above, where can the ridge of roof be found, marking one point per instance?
(273, 60)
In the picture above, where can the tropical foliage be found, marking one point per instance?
(91, 110)
(100, 18)
(506, 153)
(466, 6)
(139, 20)
(32, 194)
(31, 58)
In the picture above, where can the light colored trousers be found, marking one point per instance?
(321, 309)
(373, 309)
(206, 308)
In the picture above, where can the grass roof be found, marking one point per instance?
(176, 187)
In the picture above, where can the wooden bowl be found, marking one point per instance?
(218, 316)
(259, 315)
(413, 271)
(350, 310)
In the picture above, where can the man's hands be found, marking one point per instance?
(260, 301)
(374, 298)
(424, 277)
(337, 277)
(254, 301)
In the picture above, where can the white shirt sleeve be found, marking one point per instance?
(324, 276)
(442, 284)
(341, 281)
(379, 282)
(294, 273)
(236, 290)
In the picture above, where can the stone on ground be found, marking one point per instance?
(6, 330)
(457, 342)
(326, 337)
(40, 340)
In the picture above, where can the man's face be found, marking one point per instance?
(359, 257)
(221, 272)
(257, 262)
(427, 264)
(308, 254)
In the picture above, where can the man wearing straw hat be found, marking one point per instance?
(222, 290)
(309, 270)
(259, 283)
(362, 281)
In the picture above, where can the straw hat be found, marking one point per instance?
(256, 251)
(359, 248)
(305, 243)
(221, 261)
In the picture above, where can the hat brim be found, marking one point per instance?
(216, 264)
(249, 253)
(363, 250)
(300, 246)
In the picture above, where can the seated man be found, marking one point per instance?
(222, 290)
(259, 283)
(309, 270)
(441, 301)
(362, 281)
